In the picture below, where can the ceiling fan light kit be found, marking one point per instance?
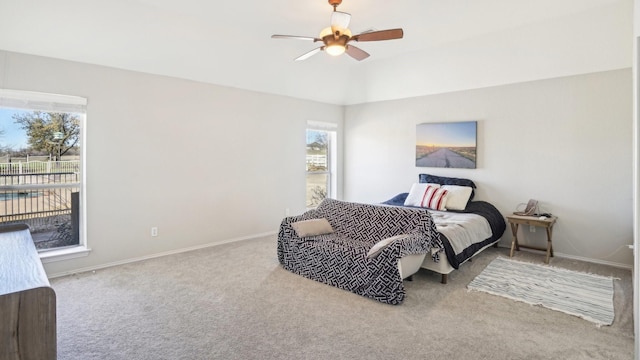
(335, 40)
(336, 37)
(335, 50)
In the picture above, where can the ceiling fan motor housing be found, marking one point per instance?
(331, 39)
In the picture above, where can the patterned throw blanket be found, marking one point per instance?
(340, 258)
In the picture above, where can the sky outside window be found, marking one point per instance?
(13, 136)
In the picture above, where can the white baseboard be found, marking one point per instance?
(595, 261)
(157, 255)
(579, 258)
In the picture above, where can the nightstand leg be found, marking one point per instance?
(514, 242)
(549, 244)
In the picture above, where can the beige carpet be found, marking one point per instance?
(234, 301)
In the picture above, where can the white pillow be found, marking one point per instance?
(417, 193)
(431, 198)
(458, 196)
(380, 245)
(312, 227)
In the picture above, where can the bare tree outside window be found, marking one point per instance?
(49, 132)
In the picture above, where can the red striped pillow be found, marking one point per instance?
(434, 198)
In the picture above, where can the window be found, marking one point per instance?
(41, 176)
(321, 162)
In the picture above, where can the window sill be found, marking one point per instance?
(64, 254)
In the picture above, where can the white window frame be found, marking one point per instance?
(332, 159)
(29, 100)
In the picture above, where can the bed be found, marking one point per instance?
(466, 227)
(369, 249)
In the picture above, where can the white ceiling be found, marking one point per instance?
(228, 43)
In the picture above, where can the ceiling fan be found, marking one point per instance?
(337, 37)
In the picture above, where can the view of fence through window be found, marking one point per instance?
(318, 167)
(40, 177)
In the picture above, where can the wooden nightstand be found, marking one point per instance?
(516, 220)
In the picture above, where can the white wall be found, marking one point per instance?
(566, 142)
(204, 163)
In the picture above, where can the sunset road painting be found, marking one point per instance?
(446, 145)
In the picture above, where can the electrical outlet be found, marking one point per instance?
(154, 231)
(532, 228)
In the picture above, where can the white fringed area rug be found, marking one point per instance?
(584, 295)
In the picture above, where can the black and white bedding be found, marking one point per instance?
(466, 227)
(335, 242)
(460, 248)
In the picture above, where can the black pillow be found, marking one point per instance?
(443, 180)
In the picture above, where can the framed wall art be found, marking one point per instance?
(447, 144)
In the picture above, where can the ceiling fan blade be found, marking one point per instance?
(307, 38)
(390, 34)
(356, 53)
(309, 54)
(340, 19)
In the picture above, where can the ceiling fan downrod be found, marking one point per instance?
(335, 4)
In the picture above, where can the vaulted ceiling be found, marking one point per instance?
(228, 43)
